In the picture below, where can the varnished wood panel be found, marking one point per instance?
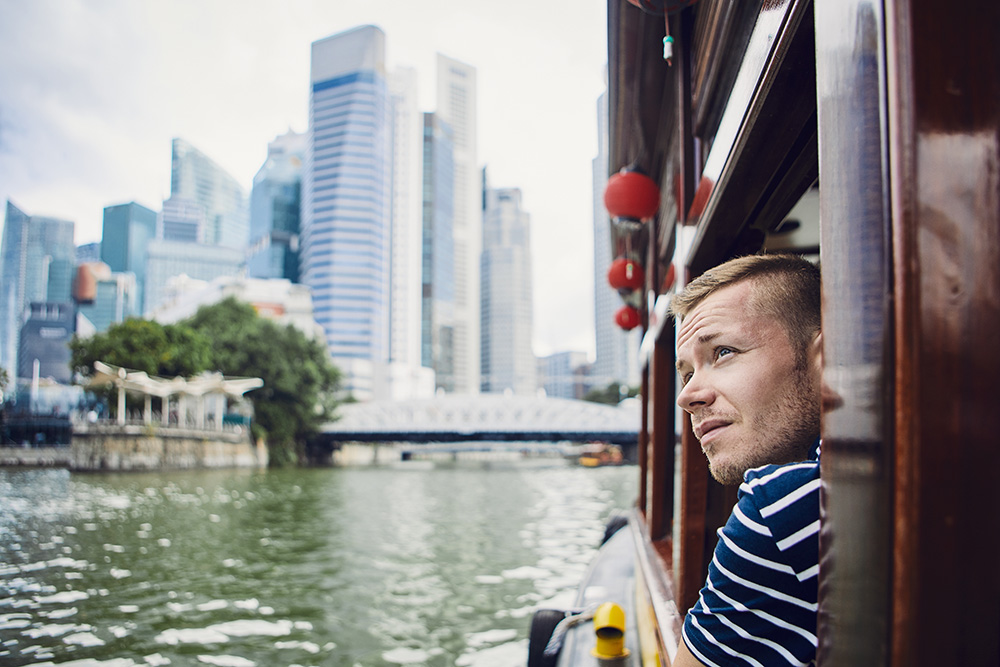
(944, 101)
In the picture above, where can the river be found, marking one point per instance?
(433, 565)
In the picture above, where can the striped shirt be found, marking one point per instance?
(758, 606)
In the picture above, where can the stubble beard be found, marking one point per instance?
(784, 437)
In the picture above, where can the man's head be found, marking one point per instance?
(749, 353)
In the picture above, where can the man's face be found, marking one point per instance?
(752, 402)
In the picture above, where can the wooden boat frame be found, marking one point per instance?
(885, 116)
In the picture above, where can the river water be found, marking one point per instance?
(434, 565)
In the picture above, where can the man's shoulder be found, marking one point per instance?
(785, 500)
(776, 481)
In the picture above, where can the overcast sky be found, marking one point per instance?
(92, 92)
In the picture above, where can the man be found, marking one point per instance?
(749, 355)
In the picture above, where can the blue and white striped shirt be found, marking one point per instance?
(758, 606)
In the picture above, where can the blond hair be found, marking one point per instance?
(785, 287)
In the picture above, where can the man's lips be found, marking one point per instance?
(707, 427)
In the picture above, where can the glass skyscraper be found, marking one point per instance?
(38, 257)
(128, 229)
(346, 211)
(437, 322)
(169, 259)
(275, 204)
(456, 105)
(508, 362)
(196, 177)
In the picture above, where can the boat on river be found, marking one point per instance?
(863, 134)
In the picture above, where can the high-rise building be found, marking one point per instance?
(196, 177)
(564, 374)
(437, 313)
(168, 259)
(38, 258)
(617, 358)
(456, 105)
(128, 229)
(404, 314)
(508, 362)
(104, 297)
(44, 342)
(346, 202)
(181, 220)
(275, 205)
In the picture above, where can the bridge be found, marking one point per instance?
(484, 418)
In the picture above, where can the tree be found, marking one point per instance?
(143, 345)
(612, 394)
(299, 378)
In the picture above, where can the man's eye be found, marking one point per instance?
(685, 378)
(723, 351)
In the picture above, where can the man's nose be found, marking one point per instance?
(695, 394)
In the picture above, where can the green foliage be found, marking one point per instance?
(229, 337)
(612, 394)
(299, 378)
(143, 345)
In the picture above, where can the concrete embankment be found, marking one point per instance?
(123, 448)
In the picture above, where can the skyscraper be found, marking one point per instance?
(437, 321)
(617, 357)
(404, 316)
(104, 297)
(38, 258)
(203, 228)
(456, 105)
(508, 362)
(195, 176)
(346, 210)
(275, 205)
(168, 259)
(128, 229)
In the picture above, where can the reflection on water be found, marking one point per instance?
(362, 566)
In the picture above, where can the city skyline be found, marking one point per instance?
(81, 133)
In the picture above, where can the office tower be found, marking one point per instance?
(508, 362)
(128, 228)
(617, 358)
(275, 203)
(168, 259)
(196, 177)
(182, 220)
(456, 105)
(346, 209)
(104, 297)
(44, 342)
(564, 374)
(437, 312)
(404, 316)
(38, 257)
